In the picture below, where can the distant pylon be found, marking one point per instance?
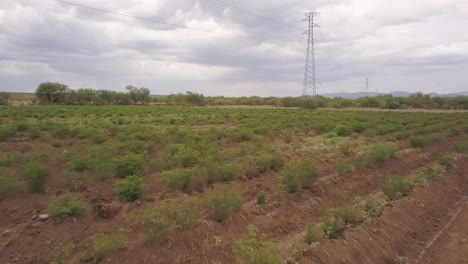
(310, 81)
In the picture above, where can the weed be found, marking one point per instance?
(332, 226)
(179, 156)
(223, 203)
(446, 160)
(312, 235)
(379, 154)
(372, 208)
(64, 206)
(79, 164)
(261, 198)
(348, 215)
(62, 255)
(423, 141)
(178, 179)
(98, 138)
(8, 186)
(7, 159)
(102, 245)
(462, 147)
(343, 131)
(268, 162)
(396, 187)
(299, 175)
(35, 175)
(254, 250)
(129, 189)
(129, 165)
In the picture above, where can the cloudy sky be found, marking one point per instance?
(410, 45)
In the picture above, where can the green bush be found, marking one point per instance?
(223, 203)
(98, 138)
(179, 156)
(7, 159)
(79, 164)
(332, 226)
(35, 175)
(379, 154)
(348, 215)
(299, 175)
(8, 186)
(462, 147)
(129, 189)
(261, 198)
(178, 179)
(396, 187)
(102, 245)
(312, 234)
(372, 208)
(254, 250)
(343, 131)
(423, 141)
(129, 165)
(446, 160)
(64, 206)
(268, 162)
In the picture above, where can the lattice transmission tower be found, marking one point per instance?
(310, 80)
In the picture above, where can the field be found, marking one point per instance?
(148, 184)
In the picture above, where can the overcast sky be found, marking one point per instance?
(409, 45)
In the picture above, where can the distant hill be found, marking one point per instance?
(395, 94)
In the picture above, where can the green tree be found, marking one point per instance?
(51, 93)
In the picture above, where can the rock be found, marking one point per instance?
(34, 217)
(44, 217)
(108, 210)
(7, 232)
(138, 202)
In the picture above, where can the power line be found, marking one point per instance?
(161, 22)
(310, 81)
(222, 3)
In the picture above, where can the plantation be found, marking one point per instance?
(186, 182)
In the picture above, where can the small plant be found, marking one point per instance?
(79, 164)
(223, 203)
(129, 189)
(7, 159)
(343, 131)
(129, 165)
(61, 255)
(422, 141)
(98, 138)
(178, 179)
(348, 215)
(254, 250)
(8, 186)
(312, 234)
(156, 227)
(446, 160)
(299, 175)
(261, 198)
(332, 226)
(64, 206)
(35, 175)
(102, 245)
(372, 208)
(396, 187)
(379, 154)
(462, 147)
(268, 162)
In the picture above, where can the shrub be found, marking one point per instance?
(254, 250)
(462, 147)
(179, 156)
(129, 165)
(79, 164)
(348, 215)
(7, 159)
(372, 208)
(268, 162)
(422, 141)
(446, 160)
(35, 176)
(177, 179)
(332, 226)
(103, 244)
(358, 127)
(396, 187)
(156, 227)
(8, 186)
(223, 203)
(379, 154)
(343, 131)
(312, 234)
(64, 206)
(299, 175)
(261, 198)
(98, 138)
(129, 189)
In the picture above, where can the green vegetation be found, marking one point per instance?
(178, 179)
(396, 187)
(348, 215)
(446, 160)
(102, 245)
(462, 146)
(8, 186)
(423, 141)
(64, 206)
(313, 234)
(378, 154)
(129, 165)
(129, 189)
(332, 226)
(223, 203)
(254, 250)
(261, 198)
(372, 208)
(35, 175)
(299, 175)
